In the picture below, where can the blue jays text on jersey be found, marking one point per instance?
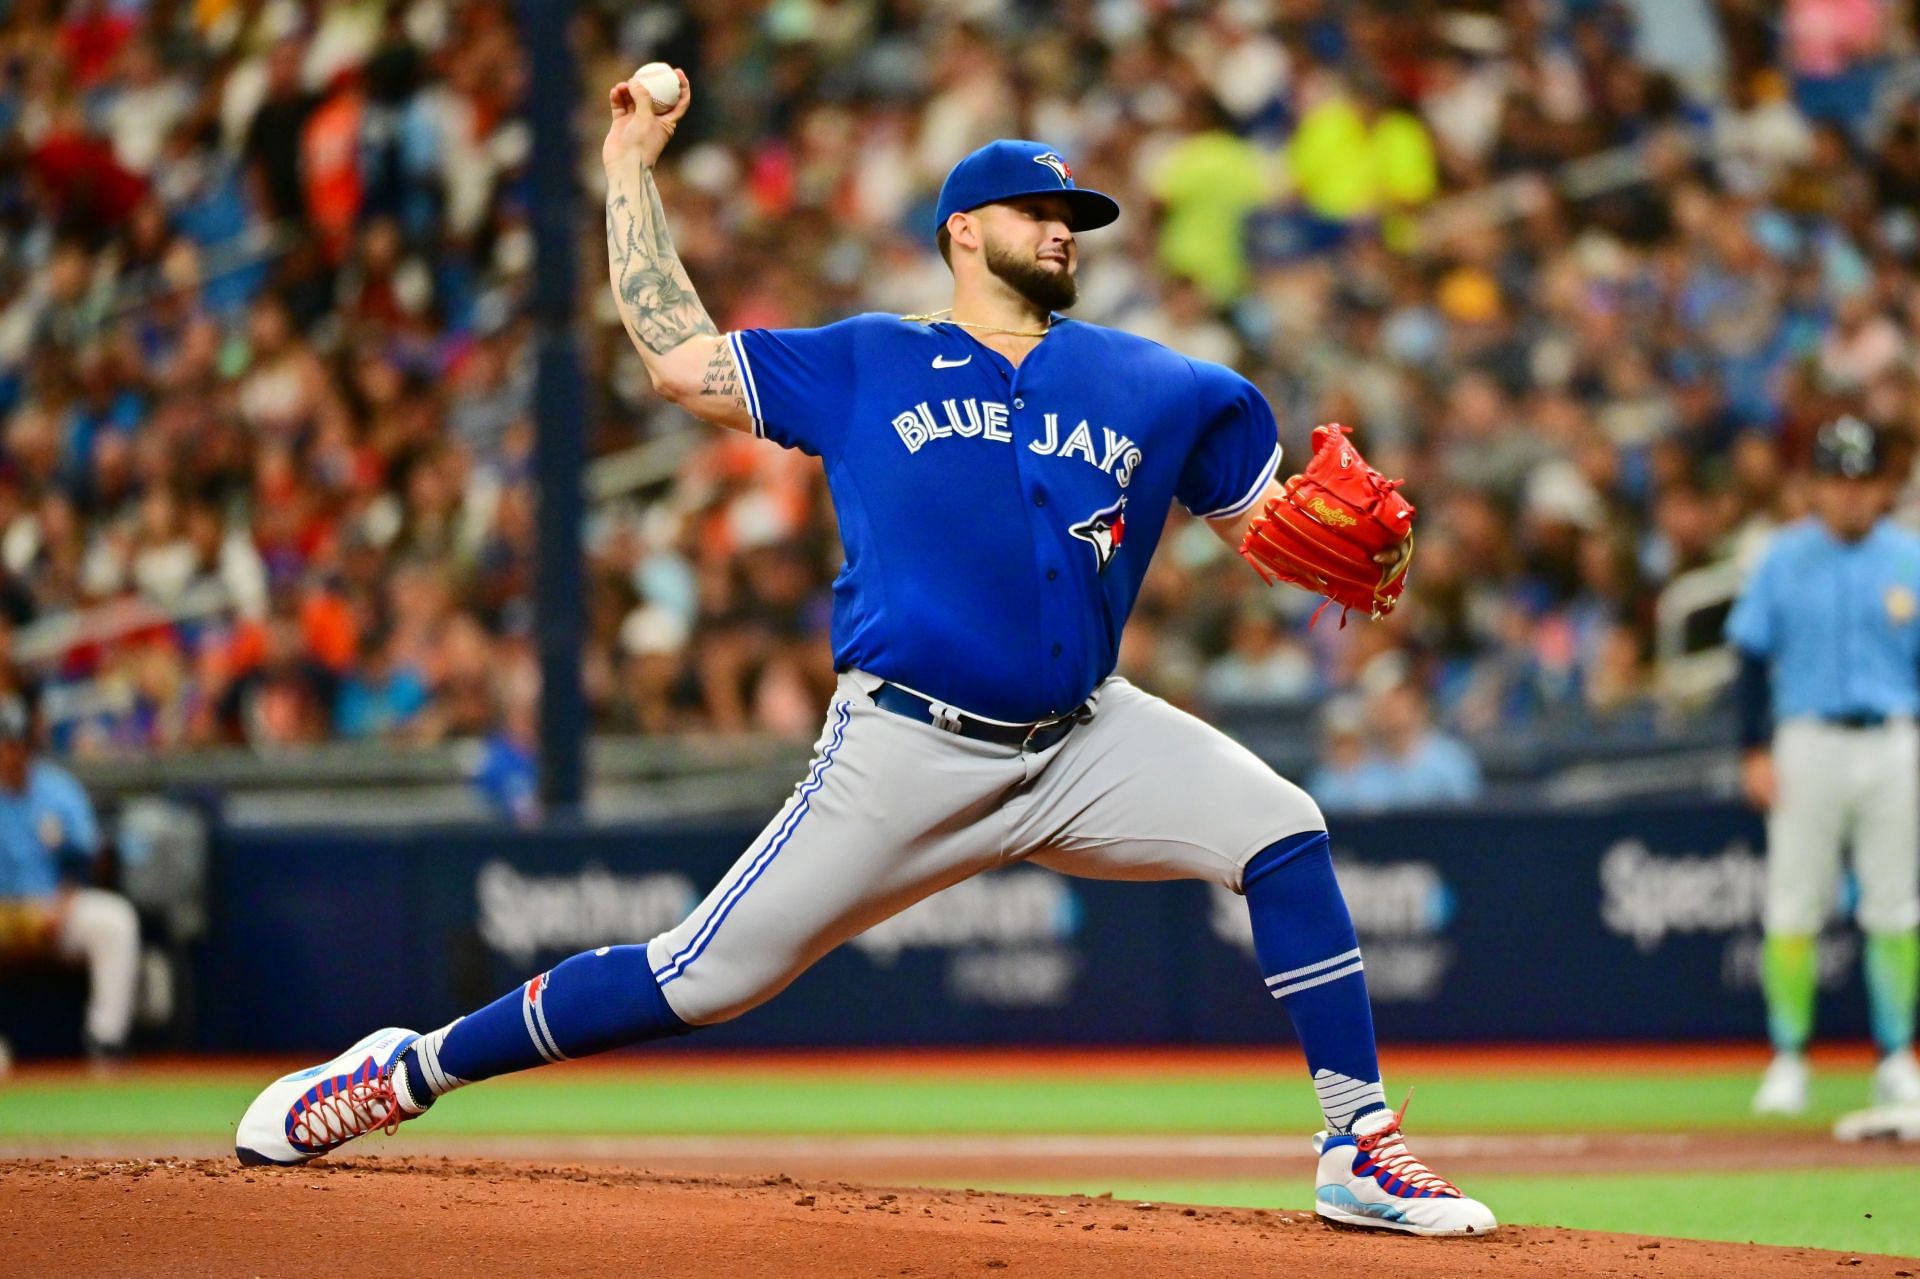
(1838, 621)
(969, 418)
(997, 521)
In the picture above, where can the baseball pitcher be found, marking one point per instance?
(1828, 632)
(1001, 475)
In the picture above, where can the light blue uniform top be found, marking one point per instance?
(37, 824)
(1839, 622)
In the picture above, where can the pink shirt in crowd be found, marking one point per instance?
(1826, 37)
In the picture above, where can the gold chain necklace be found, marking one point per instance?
(932, 316)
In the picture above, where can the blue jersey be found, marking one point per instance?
(997, 521)
(1838, 621)
(50, 817)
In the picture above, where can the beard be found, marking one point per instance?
(1047, 289)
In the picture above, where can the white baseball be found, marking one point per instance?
(660, 84)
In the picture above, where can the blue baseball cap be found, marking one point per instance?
(1010, 168)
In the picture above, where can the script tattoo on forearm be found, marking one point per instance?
(657, 303)
(720, 376)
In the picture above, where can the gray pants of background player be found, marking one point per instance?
(1841, 786)
(893, 810)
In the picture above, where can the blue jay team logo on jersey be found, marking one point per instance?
(1059, 167)
(1104, 530)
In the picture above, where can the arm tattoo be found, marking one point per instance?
(656, 299)
(721, 377)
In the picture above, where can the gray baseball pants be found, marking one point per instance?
(893, 810)
(1840, 787)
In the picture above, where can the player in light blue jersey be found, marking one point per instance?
(1828, 632)
(1001, 474)
(47, 826)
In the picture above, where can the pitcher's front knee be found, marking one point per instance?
(707, 988)
(1282, 811)
(1281, 807)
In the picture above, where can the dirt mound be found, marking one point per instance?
(428, 1217)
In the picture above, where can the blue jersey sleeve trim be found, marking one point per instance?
(737, 342)
(1252, 495)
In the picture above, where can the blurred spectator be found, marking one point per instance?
(1827, 43)
(281, 694)
(1262, 667)
(383, 697)
(48, 908)
(1386, 754)
(505, 771)
(1357, 157)
(1346, 780)
(1419, 765)
(1681, 38)
(1208, 182)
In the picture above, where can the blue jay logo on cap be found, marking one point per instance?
(1059, 167)
(998, 172)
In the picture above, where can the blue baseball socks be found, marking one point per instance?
(597, 1000)
(1304, 938)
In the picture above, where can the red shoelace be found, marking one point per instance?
(1387, 1149)
(352, 1112)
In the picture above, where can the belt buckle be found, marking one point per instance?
(1041, 726)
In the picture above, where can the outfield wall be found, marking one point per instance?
(1628, 923)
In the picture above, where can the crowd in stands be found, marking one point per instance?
(1586, 272)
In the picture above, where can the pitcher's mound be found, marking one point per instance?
(424, 1218)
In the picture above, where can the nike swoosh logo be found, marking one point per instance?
(942, 362)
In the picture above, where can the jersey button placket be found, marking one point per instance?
(1022, 437)
(1844, 579)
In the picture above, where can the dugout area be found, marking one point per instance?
(1046, 1163)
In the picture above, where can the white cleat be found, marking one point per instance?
(1368, 1178)
(1882, 1123)
(1896, 1080)
(1783, 1089)
(302, 1116)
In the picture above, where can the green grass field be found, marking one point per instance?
(1860, 1209)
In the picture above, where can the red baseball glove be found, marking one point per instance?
(1341, 530)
